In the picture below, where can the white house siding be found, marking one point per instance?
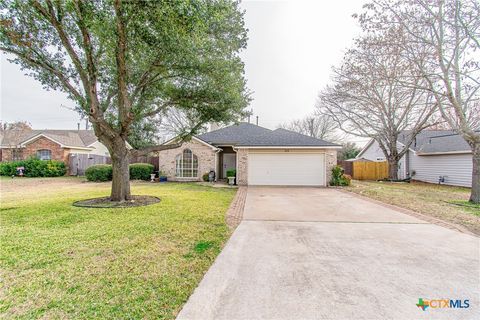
(100, 149)
(457, 168)
(374, 153)
(97, 148)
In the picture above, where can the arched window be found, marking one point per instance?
(186, 164)
(44, 154)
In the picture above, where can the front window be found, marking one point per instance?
(17, 154)
(44, 154)
(186, 164)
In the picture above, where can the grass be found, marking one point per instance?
(61, 261)
(467, 206)
(443, 202)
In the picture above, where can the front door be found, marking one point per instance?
(229, 162)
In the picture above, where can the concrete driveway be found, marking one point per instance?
(313, 253)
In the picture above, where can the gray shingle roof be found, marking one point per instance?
(448, 143)
(72, 138)
(234, 134)
(436, 141)
(247, 134)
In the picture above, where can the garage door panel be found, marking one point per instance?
(303, 169)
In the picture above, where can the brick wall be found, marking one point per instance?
(330, 161)
(6, 154)
(58, 153)
(204, 153)
(242, 167)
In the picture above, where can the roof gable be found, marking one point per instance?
(234, 134)
(431, 141)
(66, 138)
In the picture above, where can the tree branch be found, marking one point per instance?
(146, 151)
(44, 65)
(124, 104)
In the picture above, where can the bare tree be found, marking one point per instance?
(443, 43)
(14, 132)
(370, 96)
(319, 126)
(176, 123)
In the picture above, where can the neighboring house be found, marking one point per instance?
(434, 156)
(259, 155)
(49, 144)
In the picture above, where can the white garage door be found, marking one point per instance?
(289, 168)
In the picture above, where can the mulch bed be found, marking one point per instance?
(105, 202)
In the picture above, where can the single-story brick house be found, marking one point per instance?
(48, 144)
(261, 157)
(435, 156)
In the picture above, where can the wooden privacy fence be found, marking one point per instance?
(347, 166)
(146, 159)
(370, 170)
(79, 162)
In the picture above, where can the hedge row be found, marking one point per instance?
(103, 172)
(34, 168)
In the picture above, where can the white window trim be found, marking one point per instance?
(40, 157)
(181, 168)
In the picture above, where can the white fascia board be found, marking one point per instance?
(369, 143)
(442, 152)
(45, 136)
(23, 144)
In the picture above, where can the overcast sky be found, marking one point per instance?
(291, 49)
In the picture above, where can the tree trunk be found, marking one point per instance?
(475, 194)
(120, 173)
(393, 169)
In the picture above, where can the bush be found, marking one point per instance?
(141, 171)
(348, 179)
(205, 177)
(9, 168)
(103, 172)
(34, 168)
(231, 173)
(338, 178)
(99, 172)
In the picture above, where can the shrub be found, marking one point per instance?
(338, 178)
(231, 173)
(9, 168)
(103, 172)
(99, 172)
(348, 179)
(34, 168)
(205, 177)
(53, 168)
(141, 171)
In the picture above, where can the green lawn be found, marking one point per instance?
(440, 201)
(60, 261)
